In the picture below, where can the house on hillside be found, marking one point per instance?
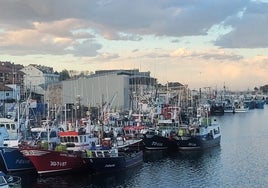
(37, 78)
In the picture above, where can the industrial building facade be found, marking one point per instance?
(113, 87)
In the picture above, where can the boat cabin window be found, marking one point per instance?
(43, 135)
(210, 133)
(217, 131)
(66, 139)
(71, 139)
(53, 134)
(8, 126)
(34, 135)
(151, 132)
(13, 126)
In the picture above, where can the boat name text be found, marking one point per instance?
(157, 144)
(22, 161)
(109, 165)
(58, 163)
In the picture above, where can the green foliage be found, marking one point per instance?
(264, 88)
(64, 75)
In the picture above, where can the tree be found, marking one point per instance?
(64, 75)
(264, 88)
(256, 89)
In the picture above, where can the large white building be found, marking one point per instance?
(37, 78)
(113, 87)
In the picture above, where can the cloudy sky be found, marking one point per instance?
(208, 43)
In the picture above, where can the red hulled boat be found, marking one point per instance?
(49, 161)
(67, 156)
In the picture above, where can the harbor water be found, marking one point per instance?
(240, 161)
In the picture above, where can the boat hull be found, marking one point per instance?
(54, 162)
(12, 160)
(217, 110)
(198, 143)
(102, 165)
(157, 142)
(259, 104)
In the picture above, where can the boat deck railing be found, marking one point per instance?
(13, 181)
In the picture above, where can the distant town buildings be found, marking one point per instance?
(37, 78)
(11, 81)
(107, 86)
(112, 90)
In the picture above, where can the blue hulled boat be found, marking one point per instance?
(112, 160)
(249, 102)
(163, 135)
(200, 134)
(114, 156)
(11, 158)
(259, 101)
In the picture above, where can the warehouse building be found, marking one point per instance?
(113, 87)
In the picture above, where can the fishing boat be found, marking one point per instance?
(217, 108)
(115, 159)
(249, 101)
(51, 158)
(228, 106)
(259, 101)
(9, 181)
(11, 127)
(163, 135)
(114, 156)
(229, 109)
(201, 133)
(241, 109)
(240, 106)
(11, 159)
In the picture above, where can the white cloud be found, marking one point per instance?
(248, 31)
(148, 32)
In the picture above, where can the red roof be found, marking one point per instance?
(68, 133)
(5, 88)
(133, 128)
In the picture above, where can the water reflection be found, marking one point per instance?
(153, 156)
(160, 169)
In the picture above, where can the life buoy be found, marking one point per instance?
(105, 143)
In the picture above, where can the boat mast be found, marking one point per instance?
(18, 115)
(48, 114)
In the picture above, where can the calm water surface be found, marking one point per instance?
(240, 161)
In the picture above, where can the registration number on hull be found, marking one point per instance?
(58, 163)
